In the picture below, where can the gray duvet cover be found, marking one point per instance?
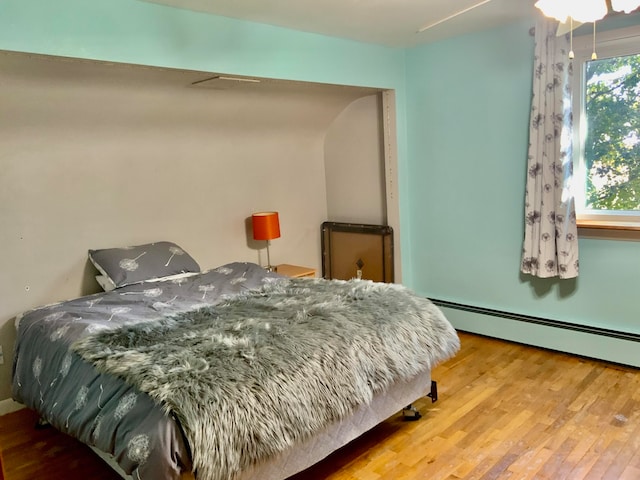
(101, 410)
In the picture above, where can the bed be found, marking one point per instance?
(231, 373)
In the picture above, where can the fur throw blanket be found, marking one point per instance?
(255, 374)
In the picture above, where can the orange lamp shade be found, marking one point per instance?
(266, 225)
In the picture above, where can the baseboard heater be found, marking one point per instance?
(633, 337)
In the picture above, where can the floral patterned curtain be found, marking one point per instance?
(550, 246)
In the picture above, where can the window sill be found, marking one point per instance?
(605, 225)
(609, 230)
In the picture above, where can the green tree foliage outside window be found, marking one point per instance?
(612, 144)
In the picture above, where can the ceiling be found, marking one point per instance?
(394, 23)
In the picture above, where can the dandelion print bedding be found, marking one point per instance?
(104, 411)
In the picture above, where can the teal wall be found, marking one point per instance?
(467, 117)
(135, 31)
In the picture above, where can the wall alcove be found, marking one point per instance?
(98, 154)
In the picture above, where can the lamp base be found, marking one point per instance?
(269, 267)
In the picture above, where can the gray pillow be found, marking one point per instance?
(124, 266)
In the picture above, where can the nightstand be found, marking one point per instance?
(295, 271)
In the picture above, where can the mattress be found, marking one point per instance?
(364, 418)
(335, 436)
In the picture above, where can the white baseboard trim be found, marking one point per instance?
(622, 348)
(9, 405)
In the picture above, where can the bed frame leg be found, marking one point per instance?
(433, 395)
(41, 423)
(411, 413)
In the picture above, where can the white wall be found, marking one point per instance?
(354, 164)
(99, 155)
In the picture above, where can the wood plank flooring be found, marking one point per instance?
(505, 411)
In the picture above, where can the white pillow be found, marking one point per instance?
(105, 282)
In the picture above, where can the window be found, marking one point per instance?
(607, 130)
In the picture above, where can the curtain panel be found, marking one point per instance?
(550, 247)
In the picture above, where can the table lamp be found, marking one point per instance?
(266, 226)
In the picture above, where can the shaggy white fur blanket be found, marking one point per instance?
(252, 376)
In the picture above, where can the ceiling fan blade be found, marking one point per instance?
(465, 10)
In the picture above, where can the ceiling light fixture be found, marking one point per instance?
(626, 6)
(580, 10)
(583, 11)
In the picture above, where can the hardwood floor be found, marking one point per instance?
(46, 454)
(505, 411)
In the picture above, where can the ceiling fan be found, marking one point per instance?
(569, 13)
(573, 13)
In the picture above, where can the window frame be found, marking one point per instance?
(611, 43)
